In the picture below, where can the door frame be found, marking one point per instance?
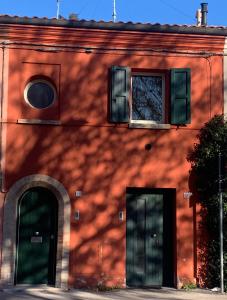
(171, 194)
(10, 228)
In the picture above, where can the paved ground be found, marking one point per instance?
(127, 294)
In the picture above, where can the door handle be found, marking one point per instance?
(154, 235)
(51, 236)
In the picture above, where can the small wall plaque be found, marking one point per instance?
(78, 193)
(187, 195)
(121, 215)
(36, 239)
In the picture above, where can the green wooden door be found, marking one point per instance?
(36, 237)
(144, 261)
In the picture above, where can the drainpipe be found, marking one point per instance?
(1, 118)
(204, 11)
(1, 170)
(221, 222)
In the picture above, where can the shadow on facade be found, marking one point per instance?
(87, 153)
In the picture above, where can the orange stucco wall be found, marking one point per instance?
(87, 153)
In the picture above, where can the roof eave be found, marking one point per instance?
(120, 26)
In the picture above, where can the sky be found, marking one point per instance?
(144, 11)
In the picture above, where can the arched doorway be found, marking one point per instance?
(36, 237)
(9, 242)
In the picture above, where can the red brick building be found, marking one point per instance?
(97, 120)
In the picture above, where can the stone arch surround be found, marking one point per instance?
(10, 227)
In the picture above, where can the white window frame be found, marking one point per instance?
(148, 74)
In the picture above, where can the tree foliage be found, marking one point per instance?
(204, 159)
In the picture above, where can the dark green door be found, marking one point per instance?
(36, 237)
(144, 262)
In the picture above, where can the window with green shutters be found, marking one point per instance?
(141, 98)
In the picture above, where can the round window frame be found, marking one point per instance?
(30, 83)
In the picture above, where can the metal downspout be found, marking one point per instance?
(1, 116)
(1, 150)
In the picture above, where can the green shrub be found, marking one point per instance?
(204, 159)
(189, 286)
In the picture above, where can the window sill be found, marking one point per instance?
(38, 121)
(150, 126)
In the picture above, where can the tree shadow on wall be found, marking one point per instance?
(87, 153)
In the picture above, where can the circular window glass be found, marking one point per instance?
(40, 94)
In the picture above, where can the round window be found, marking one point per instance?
(40, 93)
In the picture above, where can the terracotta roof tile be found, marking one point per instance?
(110, 25)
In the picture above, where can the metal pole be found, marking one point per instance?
(58, 8)
(114, 15)
(221, 223)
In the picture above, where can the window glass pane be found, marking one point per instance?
(147, 98)
(40, 94)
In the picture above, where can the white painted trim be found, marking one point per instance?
(149, 125)
(38, 121)
(225, 78)
(10, 227)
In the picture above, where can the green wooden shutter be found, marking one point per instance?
(119, 98)
(180, 96)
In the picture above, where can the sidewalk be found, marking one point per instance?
(127, 294)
